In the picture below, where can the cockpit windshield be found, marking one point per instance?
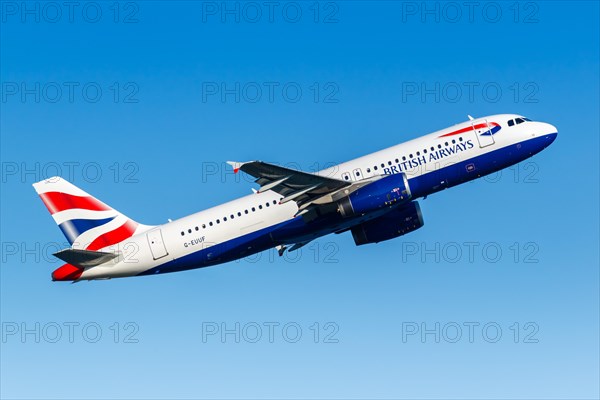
(517, 121)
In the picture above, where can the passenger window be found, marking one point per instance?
(182, 233)
(197, 228)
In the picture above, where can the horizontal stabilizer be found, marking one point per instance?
(84, 258)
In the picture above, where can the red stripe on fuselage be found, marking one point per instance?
(57, 201)
(469, 128)
(115, 236)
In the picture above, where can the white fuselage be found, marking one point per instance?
(254, 214)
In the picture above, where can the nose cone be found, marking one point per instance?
(548, 132)
(67, 272)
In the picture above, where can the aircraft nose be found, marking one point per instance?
(550, 132)
(67, 272)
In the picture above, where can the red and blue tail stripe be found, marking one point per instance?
(86, 222)
(73, 228)
(56, 202)
(115, 236)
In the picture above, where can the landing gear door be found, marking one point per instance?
(483, 131)
(157, 246)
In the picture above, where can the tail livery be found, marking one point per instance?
(86, 222)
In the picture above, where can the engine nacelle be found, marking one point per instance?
(385, 192)
(397, 222)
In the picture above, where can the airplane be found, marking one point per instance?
(374, 197)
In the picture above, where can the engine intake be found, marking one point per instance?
(398, 222)
(385, 192)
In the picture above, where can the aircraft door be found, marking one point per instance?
(483, 131)
(156, 243)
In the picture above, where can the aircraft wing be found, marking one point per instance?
(302, 187)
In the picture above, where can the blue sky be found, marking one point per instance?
(141, 103)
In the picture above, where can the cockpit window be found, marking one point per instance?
(519, 120)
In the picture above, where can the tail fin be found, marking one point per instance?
(86, 222)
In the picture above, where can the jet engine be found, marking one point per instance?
(385, 192)
(398, 222)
